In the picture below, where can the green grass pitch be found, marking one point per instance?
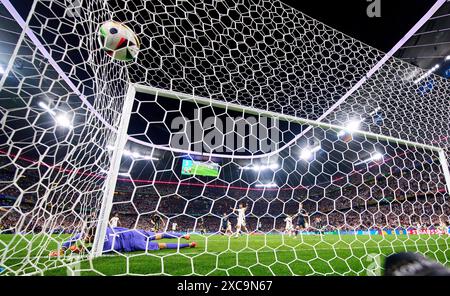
(247, 255)
(201, 170)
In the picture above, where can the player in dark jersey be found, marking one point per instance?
(120, 239)
(301, 220)
(224, 223)
(201, 226)
(157, 222)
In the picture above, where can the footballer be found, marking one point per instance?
(120, 239)
(241, 224)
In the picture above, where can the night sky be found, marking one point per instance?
(349, 17)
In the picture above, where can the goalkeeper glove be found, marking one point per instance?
(56, 253)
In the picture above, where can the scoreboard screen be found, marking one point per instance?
(198, 168)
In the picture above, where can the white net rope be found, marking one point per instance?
(372, 191)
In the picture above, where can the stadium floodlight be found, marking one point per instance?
(377, 156)
(63, 120)
(259, 168)
(43, 105)
(149, 157)
(46, 108)
(268, 185)
(134, 155)
(308, 153)
(274, 166)
(351, 127)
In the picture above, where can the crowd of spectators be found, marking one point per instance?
(358, 201)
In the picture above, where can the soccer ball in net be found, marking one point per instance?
(118, 41)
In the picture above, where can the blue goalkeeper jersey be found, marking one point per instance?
(123, 240)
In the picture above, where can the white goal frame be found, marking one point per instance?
(30, 37)
(122, 137)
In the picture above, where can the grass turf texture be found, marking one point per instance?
(221, 255)
(200, 170)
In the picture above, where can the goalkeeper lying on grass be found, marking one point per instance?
(121, 239)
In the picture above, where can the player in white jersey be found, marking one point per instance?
(229, 230)
(289, 229)
(241, 219)
(443, 228)
(174, 226)
(115, 221)
(259, 226)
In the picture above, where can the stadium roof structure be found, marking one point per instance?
(430, 45)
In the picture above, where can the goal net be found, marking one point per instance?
(234, 113)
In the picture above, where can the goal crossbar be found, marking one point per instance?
(140, 88)
(122, 138)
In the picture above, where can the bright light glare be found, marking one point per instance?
(308, 153)
(269, 185)
(134, 155)
(341, 134)
(353, 126)
(274, 166)
(447, 58)
(258, 168)
(148, 157)
(46, 108)
(377, 156)
(2, 71)
(43, 105)
(63, 120)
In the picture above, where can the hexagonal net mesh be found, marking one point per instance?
(223, 148)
